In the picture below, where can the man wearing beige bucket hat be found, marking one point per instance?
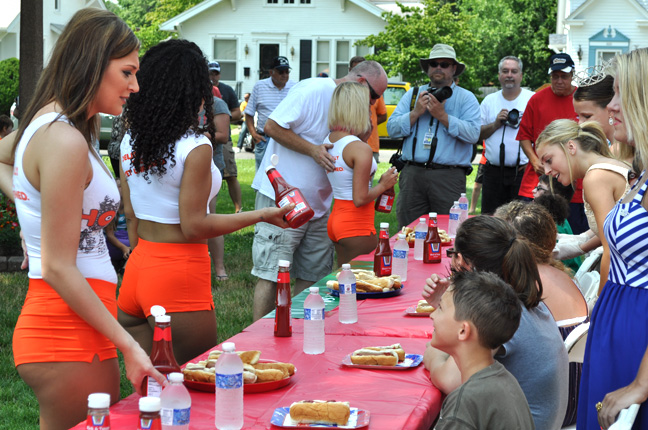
(439, 132)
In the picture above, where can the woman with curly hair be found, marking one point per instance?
(170, 179)
(536, 354)
(65, 340)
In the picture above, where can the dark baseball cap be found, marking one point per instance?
(280, 63)
(562, 62)
(214, 66)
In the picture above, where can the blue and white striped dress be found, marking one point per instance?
(618, 334)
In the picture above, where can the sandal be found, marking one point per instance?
(221, 278)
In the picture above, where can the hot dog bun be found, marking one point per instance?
(424, 307)
(374, 357)
(397, 348)
(247, 357)
(320, 411)
(288, 369)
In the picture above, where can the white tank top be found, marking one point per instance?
(100, 205)
(341, 178)
(158, 197)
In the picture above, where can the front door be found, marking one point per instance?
(267, 51)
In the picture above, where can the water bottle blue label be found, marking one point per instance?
(228, 382)
(181, 416)
(420, 234)
(348, 288)
(454, 216)
(463, 206)
(399, 253)
(314, 314)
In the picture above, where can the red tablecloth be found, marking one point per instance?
(396, 399)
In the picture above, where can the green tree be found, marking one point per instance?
(9, 74)
(410, 35)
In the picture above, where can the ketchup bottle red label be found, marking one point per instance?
(385, 201)
(383, 255)
(432, 244)
(286, 194)
(283, 322)
(98, 422)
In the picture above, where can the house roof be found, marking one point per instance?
(10, 10)
(206, 4)
(577, 6)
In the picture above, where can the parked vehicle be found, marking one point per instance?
(392, 95)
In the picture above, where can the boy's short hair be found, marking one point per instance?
(5, 122)
(489, 303)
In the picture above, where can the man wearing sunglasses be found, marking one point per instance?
(266, 96)
(438, 138)
(297, 129)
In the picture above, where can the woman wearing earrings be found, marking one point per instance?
(571, 151)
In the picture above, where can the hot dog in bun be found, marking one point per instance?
(320, 411)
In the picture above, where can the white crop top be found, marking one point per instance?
(158, 197)
(100, 205)
(341, 178)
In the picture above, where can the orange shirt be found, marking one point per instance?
(377, 108)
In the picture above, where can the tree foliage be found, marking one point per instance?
(9, 73)
(146, 16)
(480, 31)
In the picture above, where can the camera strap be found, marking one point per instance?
(433, 144)
(415, 91)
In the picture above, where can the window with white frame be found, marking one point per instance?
(342, 57)
(605, 56)
(225, 54)
(323, 57)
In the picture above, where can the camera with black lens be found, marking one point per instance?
(440, 94)
(513, 118)
(396, 160)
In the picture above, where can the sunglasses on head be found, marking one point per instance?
(374, 95)
(442, 64)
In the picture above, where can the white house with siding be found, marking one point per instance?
(597, 30)
(56, 13)
(315, 35)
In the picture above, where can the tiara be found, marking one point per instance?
(593, 75)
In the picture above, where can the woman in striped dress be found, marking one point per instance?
(615, 369)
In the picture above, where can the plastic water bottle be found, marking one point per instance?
(314, 322)
(229, 389)
(176, 404)
(98, 412)
(454, 220)
(348, 305)
(420, 233)
(463, 204)
(399, 260)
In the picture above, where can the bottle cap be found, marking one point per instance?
(346, 266)
(401, 236)
(157, 310)
(433, 214)
(163, 319)
(384, 225)
(229, 346)
(99, 400)
(422, 219)
(274, 159)
(463, 194)
(313, 290)
(176, 377)
(268, 167)
(149, 404)
(456, 202)
(284, 263)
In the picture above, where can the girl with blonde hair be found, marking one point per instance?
(615, 367)
(351, 223)
(571, 151)
(65, 340)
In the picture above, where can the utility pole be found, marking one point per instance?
(31, 49)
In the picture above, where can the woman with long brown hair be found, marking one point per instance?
(65, 339)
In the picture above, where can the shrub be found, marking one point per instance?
(9, 228)
(9, 75)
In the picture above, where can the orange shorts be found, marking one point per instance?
(176, 276)
(49, 331)
(346, 220)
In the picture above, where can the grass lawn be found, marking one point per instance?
(233, 299)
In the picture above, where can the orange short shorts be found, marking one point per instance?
(176, 276)
(49, 331)
(346, 220)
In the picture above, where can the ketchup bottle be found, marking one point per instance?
(385, 201)
(283, 323)
(432, 244)
(383, 253)
(161, 353)
(149, 416)
(286, 194)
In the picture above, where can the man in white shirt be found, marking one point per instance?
(297, 129)
(265, 97)
(501, 113)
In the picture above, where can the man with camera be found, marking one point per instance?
(501, 113)
(440, 129)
